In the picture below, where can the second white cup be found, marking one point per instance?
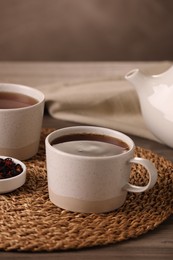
(21, 114)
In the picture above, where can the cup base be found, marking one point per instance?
(84, 206)
(23, 153)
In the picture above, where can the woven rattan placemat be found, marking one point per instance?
(30, 222)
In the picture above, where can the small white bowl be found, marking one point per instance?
(13, 183)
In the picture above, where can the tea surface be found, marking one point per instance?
(9, 100)
(90, 145)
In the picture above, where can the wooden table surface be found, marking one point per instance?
(156, 244)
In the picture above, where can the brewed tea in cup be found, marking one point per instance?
(21, 114)
(88, 168)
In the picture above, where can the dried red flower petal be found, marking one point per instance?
(8, 168)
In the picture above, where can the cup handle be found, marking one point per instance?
(152, 176)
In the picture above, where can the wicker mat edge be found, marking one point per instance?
(30, 222)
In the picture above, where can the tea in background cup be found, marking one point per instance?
(89, 168)
(21, 114)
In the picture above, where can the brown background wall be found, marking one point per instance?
(86, 30)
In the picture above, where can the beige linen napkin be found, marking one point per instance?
(109, 103)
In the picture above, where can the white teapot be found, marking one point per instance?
(156, 100)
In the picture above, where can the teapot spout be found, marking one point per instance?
(139, 80)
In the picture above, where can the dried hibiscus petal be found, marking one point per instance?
(8, 168)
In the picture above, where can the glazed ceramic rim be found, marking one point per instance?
(89, 129)
(22, 89)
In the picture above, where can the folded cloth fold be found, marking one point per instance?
(109, 103)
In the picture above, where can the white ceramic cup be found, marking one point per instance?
(20, 128)
(81, 183)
